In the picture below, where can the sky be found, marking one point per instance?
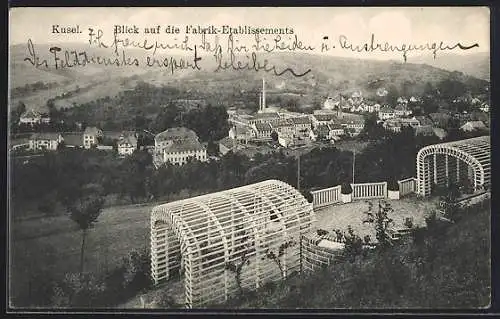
(397, 25)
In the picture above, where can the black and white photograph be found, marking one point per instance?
(249, 158)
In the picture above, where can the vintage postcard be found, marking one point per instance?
(249, 158)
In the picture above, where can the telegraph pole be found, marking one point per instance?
(353, 164)
(298, 172)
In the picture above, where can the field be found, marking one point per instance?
(49, 247)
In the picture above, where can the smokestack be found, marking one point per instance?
(263, 93)
(260, 101)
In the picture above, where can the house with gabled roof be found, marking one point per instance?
(126, 145)
(32, 117)
(45, 141)
(386, 113)
(91, 136)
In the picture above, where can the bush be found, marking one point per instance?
(136, 270)
(77, 290)
(346, 188)
(392, 185)
(321, 232)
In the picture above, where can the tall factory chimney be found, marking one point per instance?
(263, 93)
(260, 102)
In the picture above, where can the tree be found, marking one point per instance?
(276, 255)
(274, 136)
(236, 267)
(392, 95)
(20, 109)
(84, 212)
(451, 88)
(353, 245)
(381, 221)
(448, 201)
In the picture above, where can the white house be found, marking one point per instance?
(262, 131)
(354, 127)
(330, 103)
(372, 107)
(91, 136)
(302, 125)
(45, 141)
(127, 145)
(284, 127)
(32, 117)
(386, 113)
(179, 152)
(401, 110)
(335, 130)
(169, 146)
(241, 133)
(167, 137)
(324, 118)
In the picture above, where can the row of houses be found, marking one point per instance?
(425, 126)
(356, 103)
(294, 128)
(390, 113)
(175, 145)
(91, 137)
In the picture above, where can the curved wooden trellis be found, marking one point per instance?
(199, 236)
(434, 165)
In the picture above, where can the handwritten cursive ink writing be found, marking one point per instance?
(73, 58)
(253, 64)
(153, 46)
(372, 46)
(279, 44)
(34, 59)
(174, 64)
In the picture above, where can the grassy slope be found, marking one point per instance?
(448, 270)
(43, 249)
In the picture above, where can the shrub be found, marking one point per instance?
(392, 185)
(321, 232)
(346, 188)
(136, 270)
(77, 290)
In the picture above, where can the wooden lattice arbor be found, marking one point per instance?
(459, 161)
(198, 237)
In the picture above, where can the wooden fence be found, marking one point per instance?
(369, 190)
(407, 186)
(332, 195)
(327, 196)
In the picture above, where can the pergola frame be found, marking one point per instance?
(439, 163)
(199, 236)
